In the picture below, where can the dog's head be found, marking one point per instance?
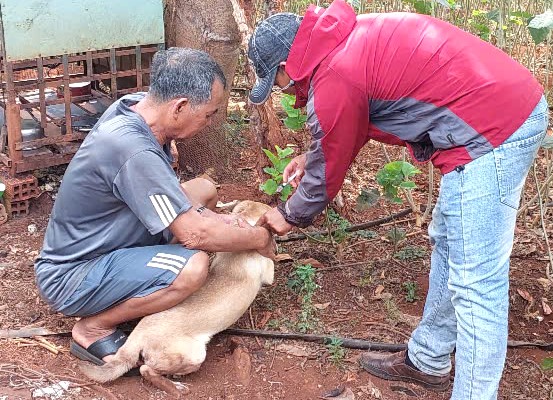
(250, 211)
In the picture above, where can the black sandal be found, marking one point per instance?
(102, 348)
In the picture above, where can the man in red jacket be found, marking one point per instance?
(450, 98)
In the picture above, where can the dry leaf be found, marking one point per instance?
(546, 283)
(545, 306)
(340, 394)
(379, 289)
(314, 263)
(525, 295)
(371, 390)
(283, 257)
(293, 350)
(321, 306)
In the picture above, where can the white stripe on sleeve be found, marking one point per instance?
(159, 211)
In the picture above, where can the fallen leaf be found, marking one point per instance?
(340, 394)
(321, 306)
(546, 283)
(379, 289)
(525, 295)
(371, 390)
(545, 306)
(314, 263)
(283, 257)
(292, 350)
(264, 319)
(404, 390)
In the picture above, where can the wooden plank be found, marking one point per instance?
(113, 69)
(42, 162)
(5, 160)
(41, 95)
(138, 69)
(51, 140)
(13, 122)
(152, 48)
(67, 94)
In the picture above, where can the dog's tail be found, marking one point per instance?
(124, 360)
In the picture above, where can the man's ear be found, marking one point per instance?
(179, 106)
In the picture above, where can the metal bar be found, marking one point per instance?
(67, 94)
(51, 140)
(34, 104)
(138, 69)
(41, 95)
(113, 69)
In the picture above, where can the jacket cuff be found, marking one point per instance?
(296, 221)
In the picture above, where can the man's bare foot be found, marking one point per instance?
(85, 333)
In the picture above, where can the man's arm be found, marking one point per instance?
(338, 118)
(195, 231)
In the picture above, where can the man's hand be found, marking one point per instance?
(275, 222)
(270, 248)
(297, 164)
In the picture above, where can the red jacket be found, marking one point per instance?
(398, 78)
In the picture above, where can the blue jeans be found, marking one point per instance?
(472, 232)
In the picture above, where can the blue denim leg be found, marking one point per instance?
(433, 341)
(472, 231)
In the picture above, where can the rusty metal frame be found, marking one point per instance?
(14, 103)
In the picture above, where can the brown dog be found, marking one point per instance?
(173, 342)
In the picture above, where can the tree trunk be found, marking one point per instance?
(208, 26)
(264, 122)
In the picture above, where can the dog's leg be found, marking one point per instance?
(161, 382)
(268, 276)
(193, 358)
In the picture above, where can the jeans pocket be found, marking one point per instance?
(512, 163)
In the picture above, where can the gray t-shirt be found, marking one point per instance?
(119, 191)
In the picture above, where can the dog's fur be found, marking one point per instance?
(174, 341)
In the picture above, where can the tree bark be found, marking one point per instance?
(264, 122)
(208, 26)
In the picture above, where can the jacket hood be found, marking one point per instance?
(320, 32)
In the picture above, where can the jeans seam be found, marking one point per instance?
(471, 380)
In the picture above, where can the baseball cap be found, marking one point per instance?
(269, 45)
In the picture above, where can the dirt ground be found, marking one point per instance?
(362, 294)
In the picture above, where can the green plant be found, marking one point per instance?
(279, 162)
(295, 119)
(396, 235)
(547, 364)
(337, 223)
(273, 323)
(366, 234)
(302, 282)
(410, 253)
(366, 279)
(336, 351)
(394, 177)
(411, 288)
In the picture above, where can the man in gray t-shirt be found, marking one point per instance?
(106, 255)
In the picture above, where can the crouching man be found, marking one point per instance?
(125, 239)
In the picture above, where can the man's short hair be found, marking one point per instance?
(182, 72)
